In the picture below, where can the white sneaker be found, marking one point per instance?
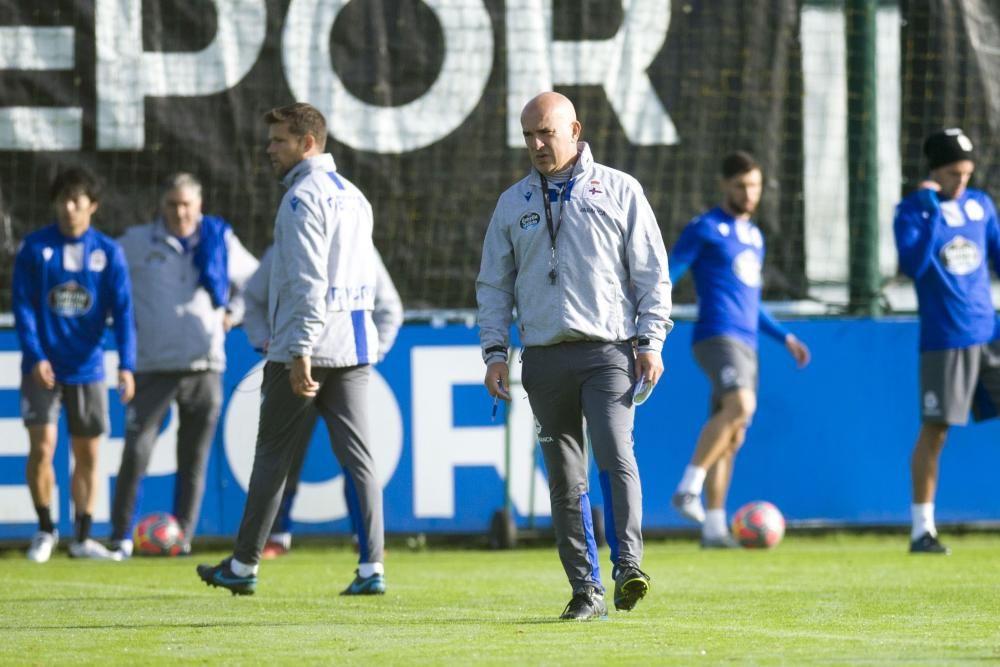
(689, 506)
(724, 541)
(123, 547)
(42, 545)
(92, 549)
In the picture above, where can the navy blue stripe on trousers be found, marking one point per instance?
(354, 510)
(588, 530)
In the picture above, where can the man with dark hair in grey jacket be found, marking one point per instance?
(323, 341)
(388, 317)
(575, 248)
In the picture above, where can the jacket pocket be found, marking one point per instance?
(615, 309)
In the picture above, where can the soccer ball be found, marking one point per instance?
(158, 534)
(758, 525)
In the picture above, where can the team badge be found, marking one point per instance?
(595, 188)
(974, 210)
(960, 256)
(932, 406)
(747, 267)
(97, 261)
(529, 220)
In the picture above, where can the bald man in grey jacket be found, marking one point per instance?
(575, 248)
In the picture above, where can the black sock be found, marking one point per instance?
(44, 519)
(82, 527)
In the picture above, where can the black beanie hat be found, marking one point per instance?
(947, 146)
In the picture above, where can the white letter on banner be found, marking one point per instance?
(536, 63)
(126, 74)
(38, 128)
(439, 447)
(16, 505)
(315, 501)
(468, 59)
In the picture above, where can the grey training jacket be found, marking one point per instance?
(612, 281)
(322, 285)
(387, 314)
(177, 327)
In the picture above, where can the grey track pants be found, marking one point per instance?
(342, 402)
(199, 400)
(283, 519)
(567, 383)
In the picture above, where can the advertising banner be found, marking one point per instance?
(829, 444)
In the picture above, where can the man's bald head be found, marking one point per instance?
(551, 132)
(550, 102)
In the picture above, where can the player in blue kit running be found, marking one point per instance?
(944, 234)
(725, 251)
(68, 279)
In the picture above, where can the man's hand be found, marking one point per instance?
(126, 386)
(928, 195)
(798, 350)
(43, 374)
(496, 380)
(301, 378)
(649, 365)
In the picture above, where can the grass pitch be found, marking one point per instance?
(839, 599)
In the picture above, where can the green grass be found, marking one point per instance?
(839, 599)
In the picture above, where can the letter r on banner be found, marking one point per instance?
(536, 63)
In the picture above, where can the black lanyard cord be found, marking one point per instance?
(553, 226)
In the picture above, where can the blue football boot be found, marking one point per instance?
(222, 576)
(373, 585)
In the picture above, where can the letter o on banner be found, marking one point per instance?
(316, 501)
(468, 60)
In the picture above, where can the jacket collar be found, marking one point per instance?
(322, 162)
(163, 235)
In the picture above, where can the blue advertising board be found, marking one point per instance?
(830, 443)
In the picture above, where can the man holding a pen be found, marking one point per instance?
(575, 248)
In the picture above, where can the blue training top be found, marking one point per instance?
(726, 256)
(943, 246)
(64, 290)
